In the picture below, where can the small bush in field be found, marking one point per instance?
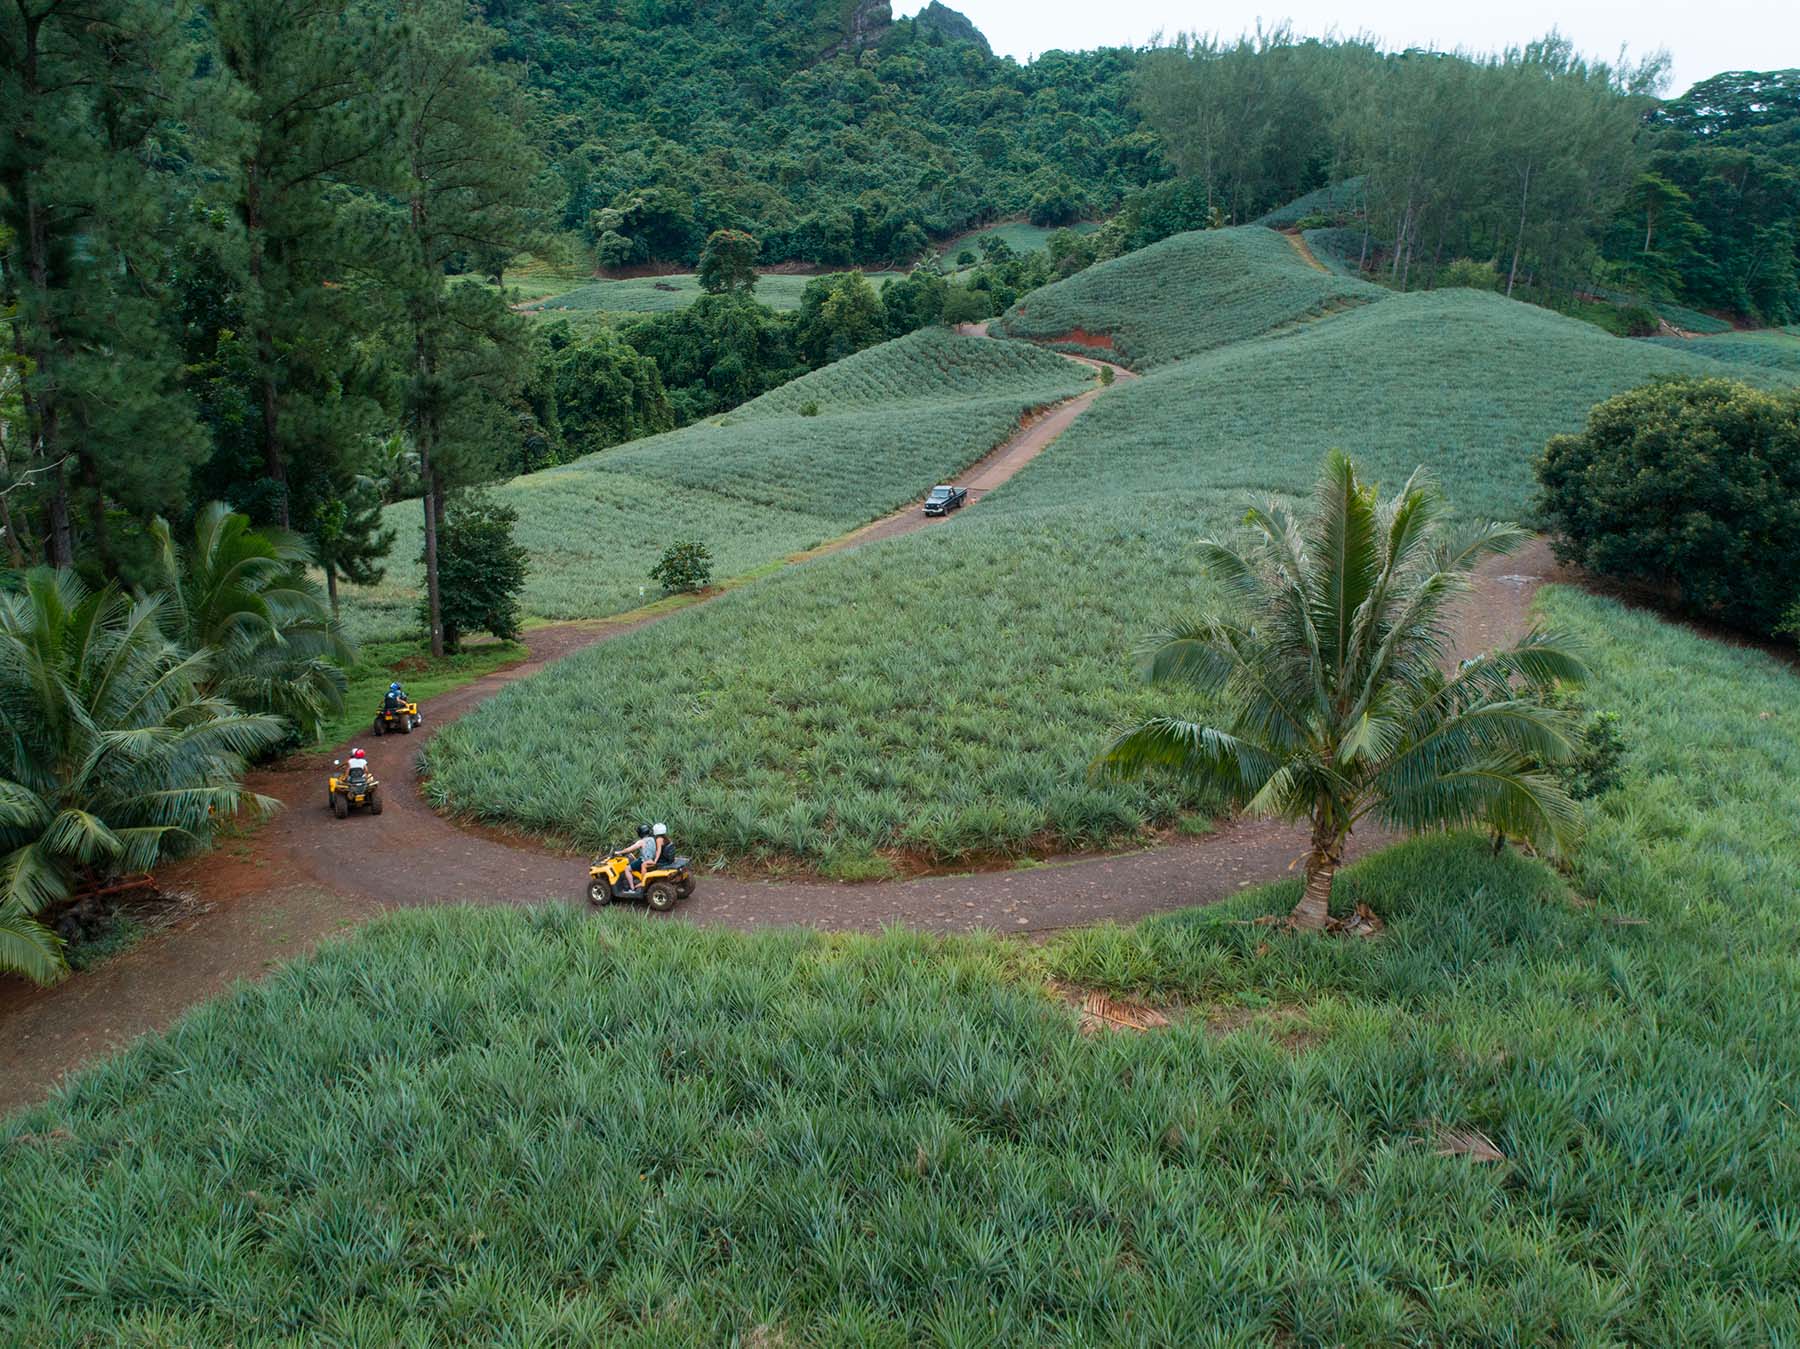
(1106, 374)
(685, 567)
(810, 408)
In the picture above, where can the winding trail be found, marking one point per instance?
(304, 876)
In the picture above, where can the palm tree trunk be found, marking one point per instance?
(1322, 861)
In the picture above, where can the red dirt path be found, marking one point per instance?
(304, 876)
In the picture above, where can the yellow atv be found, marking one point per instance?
(357, 787)
(666, 883)
(402, 719)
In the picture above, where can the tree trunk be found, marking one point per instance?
(1322, 862)
(44, 429)
(331, 586)
(1519, 243)
(96, 504)
(59, 533)
(274, 463)
(433, 600)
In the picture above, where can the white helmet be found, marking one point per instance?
(659, 830)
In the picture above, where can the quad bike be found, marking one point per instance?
(357, 787)
(666, 882)
(402, 719)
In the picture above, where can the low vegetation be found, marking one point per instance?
(1485, 382)
(758, 484)
(788, 723)
(1769, 349)
(487, 1123)
(1188, 294)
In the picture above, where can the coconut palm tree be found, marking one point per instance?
(245, 594)
(1340, 707)
(113, 754)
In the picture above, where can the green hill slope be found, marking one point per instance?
(1188, 294)
(847, 709)
(1467, 383)
(755, 485)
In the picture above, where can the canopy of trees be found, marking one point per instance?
(1561, 172)
(831, 132)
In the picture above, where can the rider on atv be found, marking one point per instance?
(644, 851)
(395, 699)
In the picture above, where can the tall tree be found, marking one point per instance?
(466, 175)
(92, 91)
(304, 84)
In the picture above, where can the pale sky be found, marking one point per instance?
(1703, 37)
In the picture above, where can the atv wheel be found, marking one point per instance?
(380, 726)
(599, 892)
(405, 726)
(660, 896)
(339, 806)
(374, 800)
(685, 889)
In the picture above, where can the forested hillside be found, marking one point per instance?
(828, 130)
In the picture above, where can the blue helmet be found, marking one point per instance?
(394, 687)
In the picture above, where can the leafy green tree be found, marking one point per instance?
(1689, 486)
(839, 315)
(1337, 705)
(720, 351)
(728, 262)
(116, 756)
(483, 569)
(915, 300)
(606, 392)
(243, 595)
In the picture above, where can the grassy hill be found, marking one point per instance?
(1467, 383)
(755, 485)
(940, 696)
(1188, 294)
(524, 1127)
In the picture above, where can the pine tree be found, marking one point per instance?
(94, 90)
(303, 82)
(467, 184)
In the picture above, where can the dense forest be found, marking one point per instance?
(832, 133)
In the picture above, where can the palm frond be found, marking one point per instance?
(29, 947)
(1199, 753)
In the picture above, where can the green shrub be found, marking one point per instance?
(1469, 274)
(966, 258)
(1690, 486)
(481, 569)
(1106, 374)
(686, 566)
(810, 408)
(1639, 320)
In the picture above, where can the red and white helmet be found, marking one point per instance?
(358, 754)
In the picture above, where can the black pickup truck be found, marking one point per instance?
(944, 499)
